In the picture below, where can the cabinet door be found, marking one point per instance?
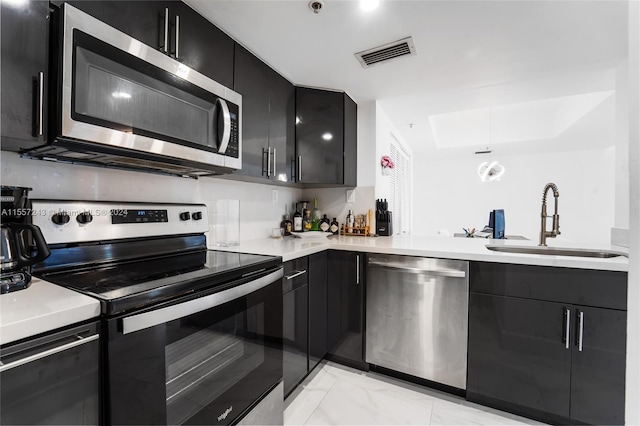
(202, 46)
(517, 353)
(317, 308)
(295, 323)
(281, 126)
(345, 306)
(320, 136)
(142, 20)
(598, 367)
(25, 29)
(251, 83)
(350, 142)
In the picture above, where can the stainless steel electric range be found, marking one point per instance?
(189, 335)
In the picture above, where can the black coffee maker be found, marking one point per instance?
(22, 244)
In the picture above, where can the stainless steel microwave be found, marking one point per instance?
(124, 104)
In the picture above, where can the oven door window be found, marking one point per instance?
(116, 90)
(205, 368)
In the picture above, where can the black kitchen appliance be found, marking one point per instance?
(192, 336)
(21, 244)
(121, 103)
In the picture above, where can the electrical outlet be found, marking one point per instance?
(351, 196)
(274, 196)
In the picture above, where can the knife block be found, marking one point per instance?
(384, 225)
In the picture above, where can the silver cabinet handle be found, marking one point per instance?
(226, 133)
(299, 168)
(453, 273)
(567, 329)
(177, 35)
(357, 269)
(41, 103)
(295, 274)
(269, 162)
(580, 329)
(274, 162)
(166, 31)
(49, 352)
(181, 310)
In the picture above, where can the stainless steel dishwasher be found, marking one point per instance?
(417, 316)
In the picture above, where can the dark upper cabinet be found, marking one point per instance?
(25, 29)
(317, 308)
(326, 138)
(548, 343)
(171, 27)
(268, 122)
(345, 297)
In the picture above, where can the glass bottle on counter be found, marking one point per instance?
(286, 224)
(334, 227)
(315, 216)
(297, 220)
(350, 222)
(324, 224)
(306, 217)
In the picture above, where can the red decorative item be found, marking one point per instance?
(386, 162)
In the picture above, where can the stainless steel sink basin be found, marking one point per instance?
(557, 251)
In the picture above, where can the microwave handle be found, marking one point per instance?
(170, 313)
(226, 133)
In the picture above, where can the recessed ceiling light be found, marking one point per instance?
(327, 136)
(369, 4)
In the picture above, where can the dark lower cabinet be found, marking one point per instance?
(25, 37)
(317, 308)
(598, 370)
(345, 320)
(517, 354)
(538, 351)
(295, 323)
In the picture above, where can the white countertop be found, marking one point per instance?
(41, 307)
(438, 247)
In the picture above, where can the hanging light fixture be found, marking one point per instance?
(490, 171)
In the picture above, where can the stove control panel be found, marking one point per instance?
(86, 221)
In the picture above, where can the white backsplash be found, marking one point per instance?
(49, 180)
(333, 201)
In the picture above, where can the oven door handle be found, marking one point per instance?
(160, 316)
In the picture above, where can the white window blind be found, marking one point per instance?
(400, 188)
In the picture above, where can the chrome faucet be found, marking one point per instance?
(544, 234)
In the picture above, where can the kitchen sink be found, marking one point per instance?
(557, 251)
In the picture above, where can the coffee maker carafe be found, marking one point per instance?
(21, 243)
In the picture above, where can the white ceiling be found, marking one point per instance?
(470, 54)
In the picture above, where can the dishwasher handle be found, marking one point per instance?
(452, 273)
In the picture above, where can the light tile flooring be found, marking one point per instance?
(338, 395)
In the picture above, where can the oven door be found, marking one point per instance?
(203, 360)
(120, 93)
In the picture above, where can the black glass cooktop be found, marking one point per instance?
(135, 284)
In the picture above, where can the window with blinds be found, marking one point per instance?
(400, 188)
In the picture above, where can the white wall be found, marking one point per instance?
(449, 195)
(258, 214)
(622, 147)
(632, 413)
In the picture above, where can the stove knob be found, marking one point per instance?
(84, 218)
(60, 218)
(185, 216)
(196, 215)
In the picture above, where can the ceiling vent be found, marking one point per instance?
(387, 52)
